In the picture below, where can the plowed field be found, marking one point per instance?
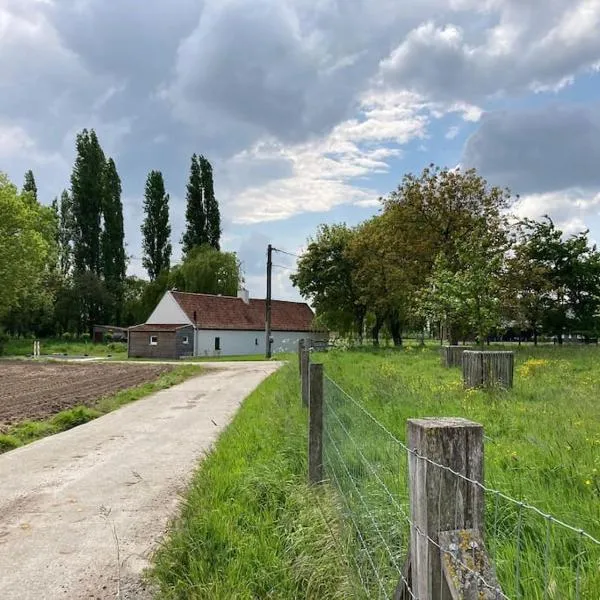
(37, 390)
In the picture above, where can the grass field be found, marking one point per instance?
(29, 431)
(24, 347)
(250, 525)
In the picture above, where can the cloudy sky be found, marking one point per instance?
(309, 110)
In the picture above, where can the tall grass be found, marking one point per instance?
(24, 347)
(250, 526)
(542, 448)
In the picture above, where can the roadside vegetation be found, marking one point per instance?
(250, 525)
(22, 347)
(30, 431)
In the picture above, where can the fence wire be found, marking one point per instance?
(535, 555)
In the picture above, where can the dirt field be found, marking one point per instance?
(37, 390)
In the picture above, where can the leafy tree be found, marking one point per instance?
(113, 250)
(65, 233)
(30, 186)
(439, 213)
(88, 198)
(133, 296)
(211, 206)
(195, 214)
(209, 271)
(26, 244)
(325, 276)
(469, 296)
(156, 230)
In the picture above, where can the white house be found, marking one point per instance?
(185, 324)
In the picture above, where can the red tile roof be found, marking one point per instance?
(229, 312)
(145, 327)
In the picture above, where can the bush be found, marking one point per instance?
(8, 442)
(3, 341)
(67, 336)
(85, 337)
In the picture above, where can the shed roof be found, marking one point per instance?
(148, 328)
(230, 312)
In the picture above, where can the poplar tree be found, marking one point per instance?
(113, 250)
(29, 184)
(87, 192)
(211, 206)
(195, 215)
(156, 231)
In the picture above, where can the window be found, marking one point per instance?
(185, 340)
(154, 340)
(256, 341)
(217, 343)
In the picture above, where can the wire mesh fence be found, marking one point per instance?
(532, 555)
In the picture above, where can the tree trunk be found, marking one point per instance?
(396, 330)
(375, 331)
(560, 339)
(535, 340)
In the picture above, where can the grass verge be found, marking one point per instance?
(250, 526)
(24, 347)
(29, 431)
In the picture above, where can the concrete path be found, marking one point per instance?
(82, 511)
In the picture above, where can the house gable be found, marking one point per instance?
(168, 310)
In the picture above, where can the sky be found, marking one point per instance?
(309, 111)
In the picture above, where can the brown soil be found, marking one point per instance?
(31, 390)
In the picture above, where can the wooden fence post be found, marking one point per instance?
(488, 369)
(452, 355)
(305, 376)
(300, 348)
(315, 425)
(441, 503)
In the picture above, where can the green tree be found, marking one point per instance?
(439, 213)
(88, 197)
(30, 186)
(26, 244)
(156, 231)
(211, 205)
(209, 271)
(468, 295)
(195, 215)
(65, 233)
(133, 297)
(113, 250)
(325, 277)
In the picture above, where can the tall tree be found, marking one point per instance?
(87, 192)
(65, 233)
(211, 205)
(26, 244)
(156, 230)
(29, 185)
(195, 215)
(326, 277)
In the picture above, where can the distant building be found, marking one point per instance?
(185, 324)
(103, 333)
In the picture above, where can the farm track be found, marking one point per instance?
(31, 390)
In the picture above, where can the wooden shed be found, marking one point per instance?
(161, 341)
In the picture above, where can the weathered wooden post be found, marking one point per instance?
(300, 348)
(305, 376)
(452, 355)
(488, 369)
(447, 555)
(315, 425)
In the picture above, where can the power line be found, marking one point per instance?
(286, 252)
(283, 267)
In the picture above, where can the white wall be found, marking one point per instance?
(168, 312)
(244, 342)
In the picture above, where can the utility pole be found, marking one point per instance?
(268, 303)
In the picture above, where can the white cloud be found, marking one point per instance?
(452, 132)
(326, 172)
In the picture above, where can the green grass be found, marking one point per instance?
(251, 527)
(542, 447)
(201, 359)
(29, 431)
(24, 347)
